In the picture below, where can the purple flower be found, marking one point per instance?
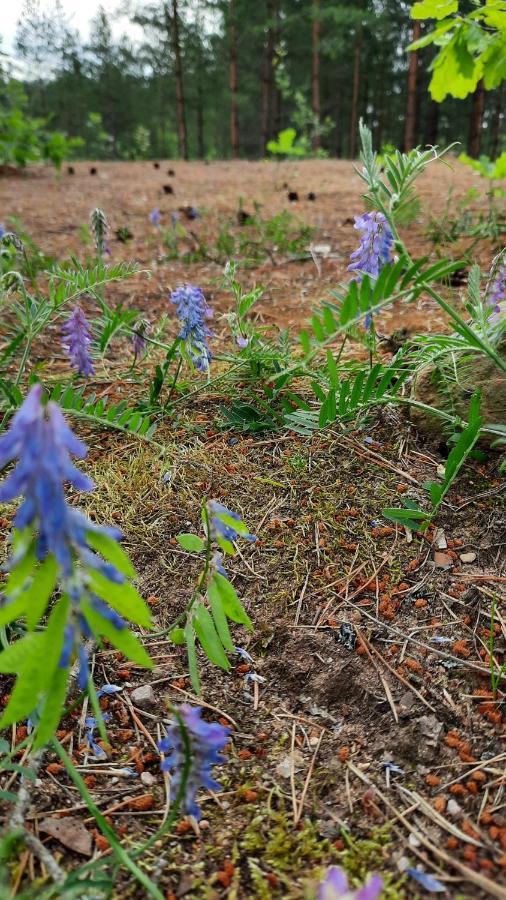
(174, 218)
(375, 248)
(226, 524)
(155, 217)
(76, 341)
(195, 743)
(193, 310)
(42, 443)
(495, 292)
(241, 341)
(217, 563)
(336, 887)
(3, 230)
(139, 338)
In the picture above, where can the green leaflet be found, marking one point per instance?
(208, 637)
(122, 638)
(219, 616)
(122, 597)
(112, 552)
(232, 606)
(190, 542)
(192, 657)
(34, 659)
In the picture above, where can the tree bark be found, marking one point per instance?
(432, 123)
(410, 123)
(178, 76)
(338, 111)
(477, 109)
(352, 148)
(267, 82)
(234, 113)
(315, 74)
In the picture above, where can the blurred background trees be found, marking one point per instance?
(222, 78)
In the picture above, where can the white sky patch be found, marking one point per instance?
(79, 12)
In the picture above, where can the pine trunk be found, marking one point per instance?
(410, 123)
(234, 114)
(338, 116)
(267, 82)
(352, 149)
(315, 74)
(477, 109)
(178, 76)
(432, 123)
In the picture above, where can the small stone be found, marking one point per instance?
(143, 696)
(284, 768)
(442, 560)
(467, 557)
(453, 808)
(148, 779)
(406, 703)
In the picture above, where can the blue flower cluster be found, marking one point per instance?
(222, 521)
(193, 310)
(77, 342)
(375, 248)
(336, 887)
(42, 443)
(194, 742)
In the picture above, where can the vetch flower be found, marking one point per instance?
(155, 217)
(193, 310)
(495, 293)
(375, 249)
(192, 742)
(241, 341)
(76, 341)
(90, 725)
(139, 338)
(42, 443)
(226, 524)
(336, 887)
(217, 564)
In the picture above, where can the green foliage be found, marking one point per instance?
(288, 145)
(472, 47)
(213, 605)
(24, 139)
(486, 167)
(393, 191)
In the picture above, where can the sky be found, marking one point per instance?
(80, 12)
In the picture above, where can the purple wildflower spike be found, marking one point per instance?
(375, 248)
(155, 217)
(76, 341)
(139, 338)
(336, 887)
(222, 522)
(205, 741)
(193, 310)
(495, 293)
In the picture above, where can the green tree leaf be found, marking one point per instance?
(434, 9)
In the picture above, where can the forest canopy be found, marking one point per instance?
(214, 79)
